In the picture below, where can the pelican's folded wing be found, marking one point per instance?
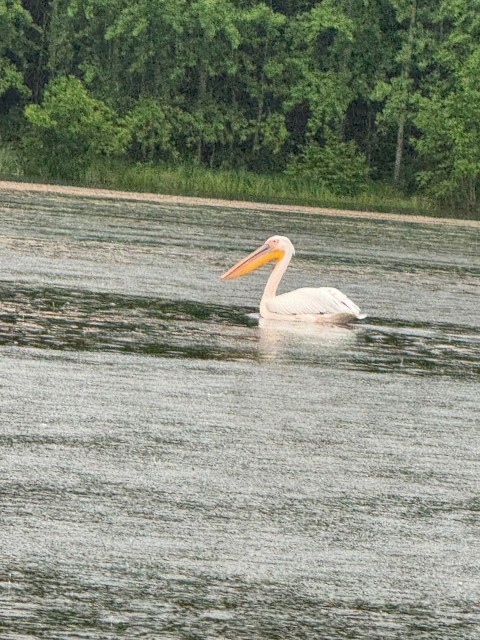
(324, 300)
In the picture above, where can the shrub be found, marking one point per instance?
(10, 163)
(337, 167)
(151, 130)
(71, 129)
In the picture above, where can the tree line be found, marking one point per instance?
(340, 91)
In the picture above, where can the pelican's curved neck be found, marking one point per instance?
(274, 280)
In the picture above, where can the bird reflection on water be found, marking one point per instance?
(277, 338)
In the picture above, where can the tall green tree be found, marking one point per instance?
(210, 38)
(15, 22)
(318, 76)
(397, 90)
(369, 57)
(448, 115)
(260, 62)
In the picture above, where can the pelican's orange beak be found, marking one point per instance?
(261, 256)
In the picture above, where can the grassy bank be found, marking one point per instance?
(230, 185)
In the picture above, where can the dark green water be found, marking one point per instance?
(172, 469)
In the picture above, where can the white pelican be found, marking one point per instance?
(324, 304)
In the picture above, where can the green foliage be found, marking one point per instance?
(70, 129)
(318, 73)
(448, 114)
(260, 60)
(450, 141)
(249, 84)
(14, 24)
(337, 167)
(151, 128)
(10, 163)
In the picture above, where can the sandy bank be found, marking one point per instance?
(85, 192)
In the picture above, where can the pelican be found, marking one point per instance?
(323, 304)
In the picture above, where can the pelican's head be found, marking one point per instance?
(275, 248)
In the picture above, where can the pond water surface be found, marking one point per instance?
(172, 468)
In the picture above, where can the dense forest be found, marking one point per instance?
(345, 93)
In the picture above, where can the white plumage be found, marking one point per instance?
(322, 300)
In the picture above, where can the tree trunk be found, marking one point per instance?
(397, 170)
(399, 150)
(201, 91)
(256, 135)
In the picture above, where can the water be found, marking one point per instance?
(171, 468)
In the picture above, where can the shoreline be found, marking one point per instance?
(111, 194)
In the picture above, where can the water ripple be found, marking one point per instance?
(65, 319)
